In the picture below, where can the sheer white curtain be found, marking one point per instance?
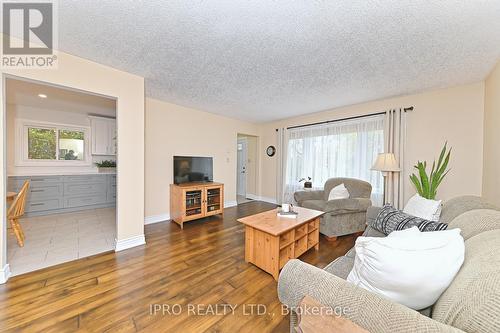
(337, 149)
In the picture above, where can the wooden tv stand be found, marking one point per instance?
(191, 201)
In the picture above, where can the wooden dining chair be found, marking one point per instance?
(16, 210)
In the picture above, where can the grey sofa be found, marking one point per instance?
(470, 304)
(343, 216)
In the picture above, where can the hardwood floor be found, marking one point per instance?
(200, 268)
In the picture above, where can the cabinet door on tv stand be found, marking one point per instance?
(214, 200)
(193, 205)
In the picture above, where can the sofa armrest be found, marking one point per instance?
(301, 196)
(366, 309)
(350, 205)
(371, 214)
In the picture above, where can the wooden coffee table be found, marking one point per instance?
(270, 241)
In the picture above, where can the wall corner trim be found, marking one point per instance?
(128, 243)
(157, 218)
(5, 273)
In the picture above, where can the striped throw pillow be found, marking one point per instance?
(390, 219)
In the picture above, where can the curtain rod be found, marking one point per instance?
(410, 108)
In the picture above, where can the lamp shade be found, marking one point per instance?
(386, 162)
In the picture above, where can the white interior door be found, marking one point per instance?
(242, 167)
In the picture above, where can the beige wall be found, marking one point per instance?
(81, 74)
(175, 130)
(453, 114)
(491, 176)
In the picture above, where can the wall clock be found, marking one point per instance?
(271, 150)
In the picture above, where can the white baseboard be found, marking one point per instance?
(165, 217)
(259, 198)
(228, 204)
(156, 218)
(252, 196)
(5, 273)
(128, 243)
(270, 200)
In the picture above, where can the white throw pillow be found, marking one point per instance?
(338, 192)
(427, 209)
(409, 267)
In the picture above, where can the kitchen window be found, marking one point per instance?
(46, 144)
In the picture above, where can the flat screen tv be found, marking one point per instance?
(190, 169)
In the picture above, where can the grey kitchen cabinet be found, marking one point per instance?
(57, 194)
(111, 192)
(45, 205)
(82, 201)
(75, 189)
(85, 178)
(37, 193)
(35, 181)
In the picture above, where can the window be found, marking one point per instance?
(338, 149)
(71, 145)
(51, 144)
(41, 143)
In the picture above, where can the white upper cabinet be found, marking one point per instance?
(103, 135)
(112, 136)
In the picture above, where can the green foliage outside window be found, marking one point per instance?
(41, 144)
(64, 134)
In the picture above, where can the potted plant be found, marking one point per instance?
(106, 166)
(307, 182)
(427, 184)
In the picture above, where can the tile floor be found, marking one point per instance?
(58, 238)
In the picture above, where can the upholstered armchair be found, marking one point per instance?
(343, 216)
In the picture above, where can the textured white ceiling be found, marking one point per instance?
(262, 60)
